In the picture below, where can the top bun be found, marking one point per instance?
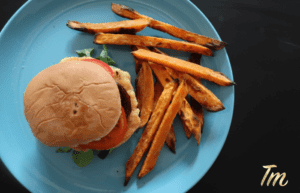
(71, 103)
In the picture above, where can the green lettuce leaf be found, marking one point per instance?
(105, 58)
(81, 158)
(85, 52)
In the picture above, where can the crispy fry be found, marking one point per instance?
(195, 57)
(151, 128)
(198, 113)
(163, 130)
(185, 113)
(127, 39)
(124, 11)
(197, 90)
(196, 107)
(170, 141)
(158, 89)
(184, 66)
(126, 26)
(189, 119)
(130, 13)
(145, 89)
(187, 131)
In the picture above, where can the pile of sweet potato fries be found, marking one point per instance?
(160, 101)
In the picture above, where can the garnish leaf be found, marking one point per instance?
(81, 158)
(64, 149)
(105, 58)
(85, 52)
(110, 150)
(104, 52)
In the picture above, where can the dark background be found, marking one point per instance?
(263, 47)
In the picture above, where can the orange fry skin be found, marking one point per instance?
(145, 90)
(163, 130)
(185, 113)
(198, 113)
(127, 12)
(197, 90)
(126, 26)
(170, 141)
(196, 107)
(189, 119)
(184, 66)
(138, 40)
(150, 129)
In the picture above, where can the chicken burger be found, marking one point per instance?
(82, 103)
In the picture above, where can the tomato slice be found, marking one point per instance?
(112, 139)
(102, 64)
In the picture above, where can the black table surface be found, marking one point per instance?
(263, 47)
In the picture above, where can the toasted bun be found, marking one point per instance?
(124, 79)
(71, 103)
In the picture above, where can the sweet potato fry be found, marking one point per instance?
(170, 141)
(187, 116)
(185, 113)
(197, 90)
(130, 13)
(145, 90)
(163, 130)
(126, 26)
(161, 73)
(187, 131)
(151, 128)
(184, 66)
(195, 57)
(196, 107)
(128, 39)
(198, 112)
(158, 89)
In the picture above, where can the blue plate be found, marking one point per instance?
(37, 37)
